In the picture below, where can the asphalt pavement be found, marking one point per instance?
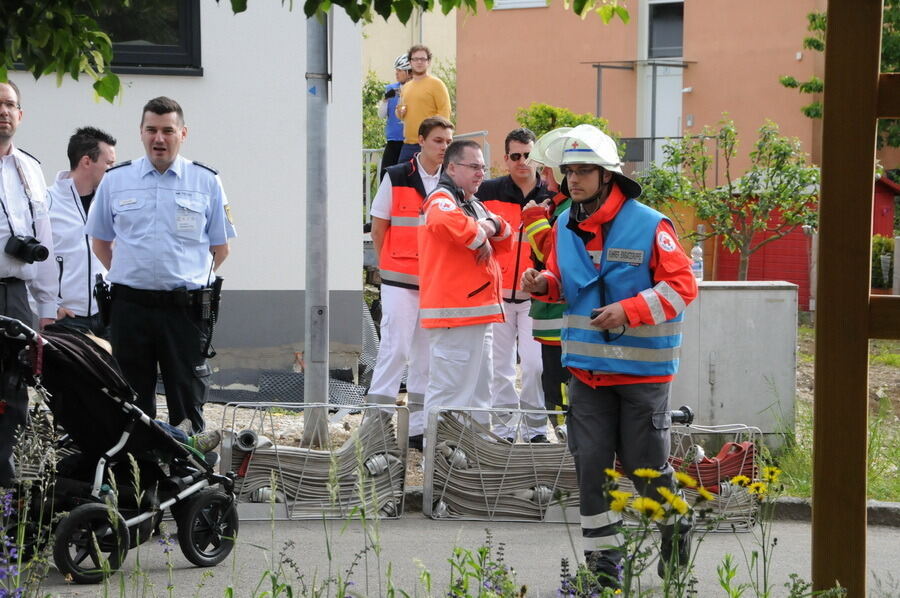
(413, 544)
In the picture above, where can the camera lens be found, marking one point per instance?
(40, 253)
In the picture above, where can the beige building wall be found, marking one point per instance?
(735, 53)
(384, 40)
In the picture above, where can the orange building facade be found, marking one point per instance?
(674, 68)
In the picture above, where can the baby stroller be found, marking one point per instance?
(108, 506)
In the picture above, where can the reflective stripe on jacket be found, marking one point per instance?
(648, 350)
(399, 259)
(456, 290)
(546, 317)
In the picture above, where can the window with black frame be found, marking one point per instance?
(666, 30)
(155, 37)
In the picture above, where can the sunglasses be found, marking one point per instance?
(516, 156)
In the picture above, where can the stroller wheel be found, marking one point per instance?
(75, 552)
(207, 527)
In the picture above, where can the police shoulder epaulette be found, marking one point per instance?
(209, 168)
(119, 165)
(29, 155)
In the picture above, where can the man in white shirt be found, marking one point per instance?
(26, 260)
(91, 151)
(395, 230)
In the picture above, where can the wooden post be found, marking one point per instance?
(852, 59)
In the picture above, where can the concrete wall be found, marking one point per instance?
(246, 117)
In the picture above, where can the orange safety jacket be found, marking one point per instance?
(399, 259)
(504, 198)
(455, 289)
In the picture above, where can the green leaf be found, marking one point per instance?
(108, 86)
(238, 6)
(403, 9)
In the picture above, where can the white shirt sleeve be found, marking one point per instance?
(382, 109)
(381, 205)
(44, 286)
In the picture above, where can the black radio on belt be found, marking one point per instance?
(26, 248)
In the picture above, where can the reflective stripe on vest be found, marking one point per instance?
(648, 350)
(460, 312)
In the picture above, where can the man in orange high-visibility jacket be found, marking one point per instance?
(395, 233)
(459, 281)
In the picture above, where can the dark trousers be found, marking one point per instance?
(554, 378)
(408, 151)
(630, 421)
(13, 304)
(390, 155)
(172, 337)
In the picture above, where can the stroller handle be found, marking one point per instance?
(13, 328)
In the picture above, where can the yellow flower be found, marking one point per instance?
(619, 500)
(678, 503)
(771, 474)
(612, 473)
(760, 488)
(685, 480)
(648, 508)
(740, 480)
(704, 494)
(646, 473)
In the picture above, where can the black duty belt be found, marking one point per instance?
(516, 301)
(176, 298)
(10, 280)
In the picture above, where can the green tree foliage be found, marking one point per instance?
(59, 37)
(888, 129)
(446, 72)
(62, 37)
(373, 125)
(775, 196)
(542, 118)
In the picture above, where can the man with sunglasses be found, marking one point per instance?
(626, 281)
(507, 196)
(459, 281)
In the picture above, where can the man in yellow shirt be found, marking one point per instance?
(423, 96)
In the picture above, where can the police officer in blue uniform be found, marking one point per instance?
(161, 225)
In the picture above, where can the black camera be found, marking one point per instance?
(27, 249)
(390, 93)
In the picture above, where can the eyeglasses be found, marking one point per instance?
(419, 59)
(9, 104)
(516, 156)
(482, 168)
(579, 172)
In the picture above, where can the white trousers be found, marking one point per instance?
(517, 327)
(403, 342)
(460, 374)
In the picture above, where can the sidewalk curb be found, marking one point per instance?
(878, 512)
(787, 508)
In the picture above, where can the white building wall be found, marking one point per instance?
(246, 118)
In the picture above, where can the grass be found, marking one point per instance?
(883, 466)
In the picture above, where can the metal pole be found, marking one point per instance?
(599, 87)
(316, 314)
(653, 114)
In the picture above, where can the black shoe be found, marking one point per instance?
(539, 439)
(416, 442)
(668, 542)
(605, 567)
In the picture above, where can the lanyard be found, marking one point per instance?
(24, 180)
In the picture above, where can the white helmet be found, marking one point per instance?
(538, 156)
(402, 63)
(586, 144)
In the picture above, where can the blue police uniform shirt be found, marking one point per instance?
(163, 224)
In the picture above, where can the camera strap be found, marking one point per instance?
(27, 188)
